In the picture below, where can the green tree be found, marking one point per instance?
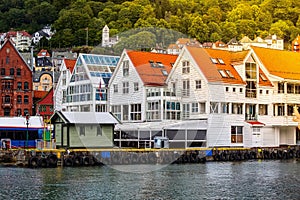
(199, 30)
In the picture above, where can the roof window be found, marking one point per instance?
(229, 73)
(223, 73)
(213, 60)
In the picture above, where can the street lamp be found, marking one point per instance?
(27, 123)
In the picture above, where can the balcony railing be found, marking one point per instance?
(251, 116)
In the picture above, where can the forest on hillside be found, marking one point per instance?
(205, 20)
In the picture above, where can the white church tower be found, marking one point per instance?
(105, 36)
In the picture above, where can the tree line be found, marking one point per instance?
(205, 20)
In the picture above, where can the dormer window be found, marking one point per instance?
(223, 73)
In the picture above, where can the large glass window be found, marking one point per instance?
(186, 88)
(125, 87)
(236, 134)
(251, 71)
(153, 110)
(116, 110)
(237, 108)
(185, 67)
(135, 112)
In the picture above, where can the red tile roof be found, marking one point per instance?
(151, 75)
(48, 99)
(203, 56)
(70, 64)
(39, 94)
(284, 64)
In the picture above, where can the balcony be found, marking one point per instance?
(251, 117)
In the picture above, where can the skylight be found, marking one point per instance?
(263, 77)
(221, 61)
(213, 60)
(165, 73)
(229, 73)
(223, 73)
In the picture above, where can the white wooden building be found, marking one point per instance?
(209, 98)
(86, 91)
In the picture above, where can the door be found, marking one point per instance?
(256, 137)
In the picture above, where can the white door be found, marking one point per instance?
(256, 137)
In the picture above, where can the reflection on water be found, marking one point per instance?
(237, 180)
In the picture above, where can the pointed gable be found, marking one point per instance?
(153, 68)
(284, 64)
(216, 65)
(70, 64)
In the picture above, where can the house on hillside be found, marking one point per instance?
(16, 82)
(21, 39)
(83, 129)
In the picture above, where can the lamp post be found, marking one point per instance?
(27, 123)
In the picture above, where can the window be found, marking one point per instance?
(214, 61)
(195, 107)
(19, 86)
(81, 131)
(280, 87)
(99, 130)
(136, 86)
(214, 107)
(185, 110)
(2, 71)
(125, 68)
(198, 84)
(263, 109)
(185, 67)
(19, 99)
(225, 107)
(164, 72)
(6, 112)
(233, 89)
(51, 108)
(26, 112)
(125, 87)
(280, 109)
(263, 77)
(135, 112)
(202, 107)
(116, 110)
(7, 60)
(19, 112)
(11, 71)
(26, 99)
(236, 134)
(186, 88)
(26, 86)
(221, 61)
(229, 73)
(260, 91)
(18, 72)
(115, 88)
(153, 110)
(173, 110)
(125, 112)
(223, 74)
(241, 90)
(237, 108)
(227, 89)
(251, 71)
(7, 99)
(267, 91)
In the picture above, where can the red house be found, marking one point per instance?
(44, 107)
(16, 82)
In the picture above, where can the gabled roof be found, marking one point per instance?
(70, 64)
(43, 53)
(213, 63)
(150, 66)
(47, 99)
(245, 39)
(284, 64)
(86, 117)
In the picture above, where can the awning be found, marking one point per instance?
(256, 123)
